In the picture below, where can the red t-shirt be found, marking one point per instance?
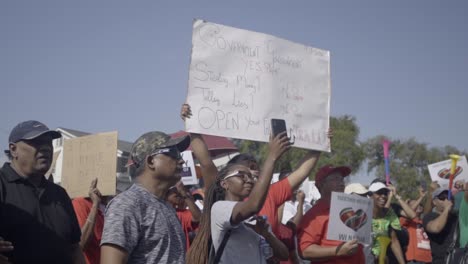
(185, 217)
(313, 230)
(419, 247)
(82, 207)
(279, 193)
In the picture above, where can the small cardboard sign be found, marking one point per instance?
(89, 157)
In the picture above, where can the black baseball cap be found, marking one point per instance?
(29, 130)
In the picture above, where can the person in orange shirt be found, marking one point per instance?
(187, 211)
(312, 234)
(419, 247)
(89, 212)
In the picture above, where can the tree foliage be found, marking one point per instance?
(409, 160)
(346, 149)
(408, 157)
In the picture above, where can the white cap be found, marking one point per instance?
(376, 186)
(356, 188)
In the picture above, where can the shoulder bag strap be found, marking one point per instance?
(219, 253)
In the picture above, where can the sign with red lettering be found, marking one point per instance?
(239, 80)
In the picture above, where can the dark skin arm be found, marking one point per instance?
(300, 197)
(396, 248)
(437, 225)
(5, 246)
(113, 254)
(315, 252)
(407, 211)
(245, 209)
(193, 208)
(280, 251)
(428, 203)
(201, 152)
(306, 165)
(77, 254)
(88, 227)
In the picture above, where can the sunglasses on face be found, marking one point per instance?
(442, 197)
(365, 195)
(245, 175)
(170, 152)
(382, 192)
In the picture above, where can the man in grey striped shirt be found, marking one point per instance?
(140, 226)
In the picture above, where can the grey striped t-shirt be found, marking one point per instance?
(145, 226)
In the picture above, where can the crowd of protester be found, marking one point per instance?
(237, 216)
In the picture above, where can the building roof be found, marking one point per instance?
(216, 145)
(122, 145)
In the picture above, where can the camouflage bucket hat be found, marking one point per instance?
(150, 142)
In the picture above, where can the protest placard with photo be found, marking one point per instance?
(239, 80)
(89, 157)
(350, 218)
(440, 171)
(189, 174)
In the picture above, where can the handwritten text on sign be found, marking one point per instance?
(239, 80)
(89, 157)
(350, 218)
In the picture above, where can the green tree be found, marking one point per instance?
(409, 160)
(346, 149)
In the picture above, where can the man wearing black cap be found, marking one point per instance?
(36, 215)
(440, 225)
(140, 225)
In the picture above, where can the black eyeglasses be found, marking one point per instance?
(170, 152)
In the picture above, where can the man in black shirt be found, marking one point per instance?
(36, 215)
(440, 225)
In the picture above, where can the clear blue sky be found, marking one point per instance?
(399, 67)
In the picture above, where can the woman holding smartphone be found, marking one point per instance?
(226, 209)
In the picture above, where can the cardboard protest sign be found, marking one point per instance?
(239, 80)
(440, 171)
(54, 162)
(189, 174)
(89, 157)
(350, 218)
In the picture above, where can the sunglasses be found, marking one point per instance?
(170, 152)
(442, 197)
(382, 192)
(245, 175)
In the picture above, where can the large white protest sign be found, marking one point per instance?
(350, 218)
(189, 174)
(89, 157)
(440, 171)
(239, 80)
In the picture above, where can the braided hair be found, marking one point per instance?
(200, 247)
